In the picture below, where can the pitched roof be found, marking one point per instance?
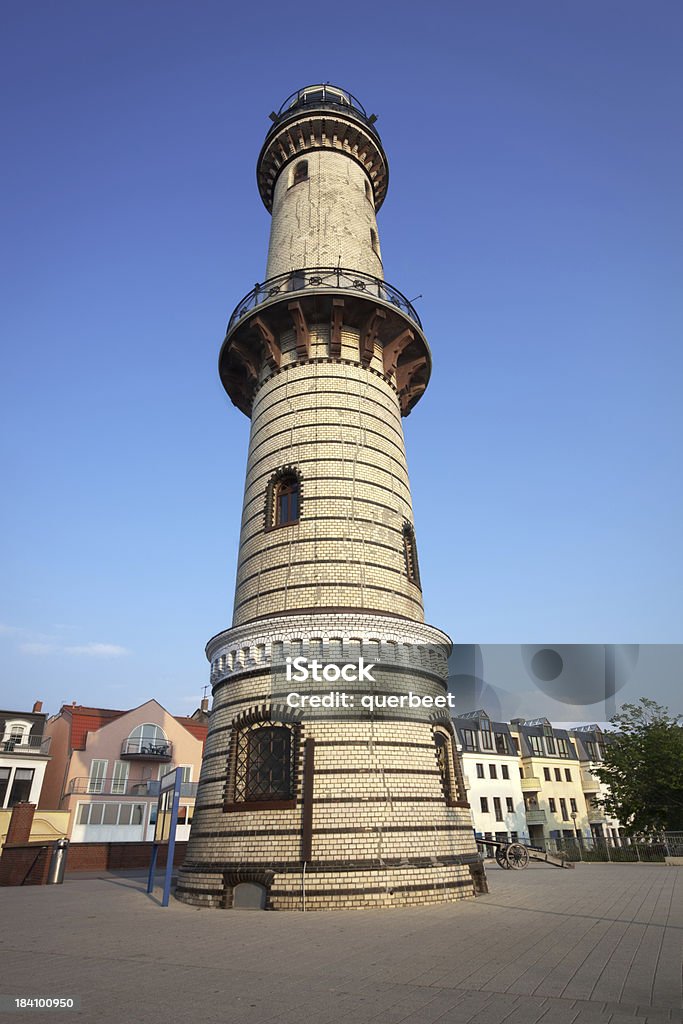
(86, 719)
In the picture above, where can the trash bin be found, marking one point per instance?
(60, 851)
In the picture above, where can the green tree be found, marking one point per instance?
(643, 768)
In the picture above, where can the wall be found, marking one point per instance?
(47, 825)
(57, 729)
(25, 865)
(118, 856)
(498, 787)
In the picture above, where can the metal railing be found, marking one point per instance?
(674, 844)
(147, 748)
(328, 96)
(322, 279)
(124, 787)
(618, 851)
(25, 745)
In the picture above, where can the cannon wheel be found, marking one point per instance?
(501, 856)
(516, 856)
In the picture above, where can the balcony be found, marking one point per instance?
(322, 279)
(159, 751)
(589, 783)
(596, 815)
(530, 785)
(535, 816)
(23, 745)
(122, 787)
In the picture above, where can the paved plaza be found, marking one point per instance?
(601, 943)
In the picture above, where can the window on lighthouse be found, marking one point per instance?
(284, 500)
(264, 763)
(300, 172)
(287, 503)
(410, 554)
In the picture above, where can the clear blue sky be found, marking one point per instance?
(535, 202)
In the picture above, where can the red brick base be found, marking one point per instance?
(118, 856)
(25, 865)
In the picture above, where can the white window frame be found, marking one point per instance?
(96, 779)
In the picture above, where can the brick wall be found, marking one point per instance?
(25, 864)
(117, 856)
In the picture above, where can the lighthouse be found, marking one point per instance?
(331, 777)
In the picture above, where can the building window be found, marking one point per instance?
(546, 774)
(15, 735)
(572, 804)
(509, 804)
(562, 748)
(486, 738)
(4, 782)
(563, 808)
(410, 554)
(590, 747)
(21, 786)
(549, 738)
(283, 499)
(484, 805)
(119, 780)
(492, 771)
(299, 172)
(497, 808)
(264, 764)
(147, 739)
(536, 744)
(468, 740)
(480, 771)
(515, 743)
(501, 743)
(505, 771)
(98, 771)
(552, 805)
(558, 775)
(368, 191)
(568, 774)
(102, 813)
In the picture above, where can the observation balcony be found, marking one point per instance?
(337, 296)
(589, 783)
(322, 279)
(322, 97)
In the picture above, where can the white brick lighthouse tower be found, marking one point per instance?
(300, 805)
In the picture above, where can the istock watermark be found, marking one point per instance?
(369, 701)
(301, 670)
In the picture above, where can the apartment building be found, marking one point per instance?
(590, 742)
(552, 781)
(106, 766)
(492, 777)
(24, 755)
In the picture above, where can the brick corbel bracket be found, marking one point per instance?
(369, 334)
(303, 337)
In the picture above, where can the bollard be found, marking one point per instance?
(60, 852)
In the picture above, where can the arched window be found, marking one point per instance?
(299, 172)
(374, 241)
(410, 554)
(452, 780)
(443, 759)
(147, 739)
(283, 500)
(263, 769)
(368, 191)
